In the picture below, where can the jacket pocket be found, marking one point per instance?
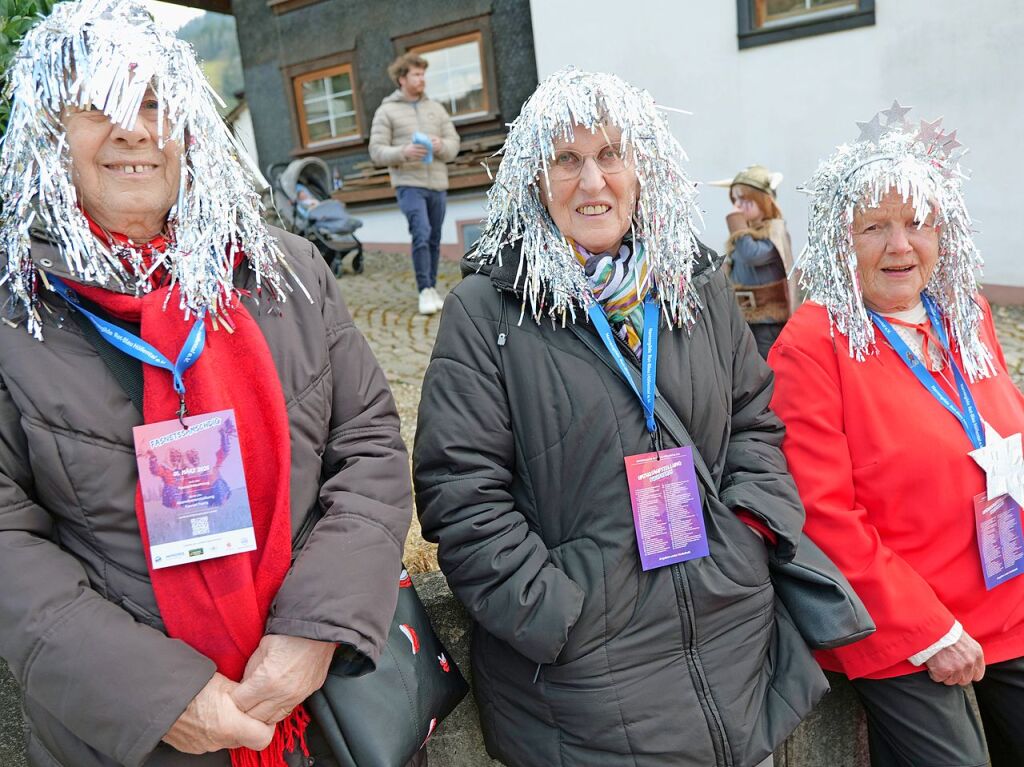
(738, 551)
(584, 704)
(581, 560)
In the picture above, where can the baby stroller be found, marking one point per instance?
(305, 207)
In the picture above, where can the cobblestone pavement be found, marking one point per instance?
(383, 303)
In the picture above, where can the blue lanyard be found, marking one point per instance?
(969, 417)
(132, 345)
(648, 359)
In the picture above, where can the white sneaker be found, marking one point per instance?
(438, 300)
(427, 303)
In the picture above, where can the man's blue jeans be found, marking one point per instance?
(424, 210)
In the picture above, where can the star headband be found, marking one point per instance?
(922, 163)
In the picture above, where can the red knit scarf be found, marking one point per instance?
(220, 606)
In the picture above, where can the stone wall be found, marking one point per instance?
(832, 736)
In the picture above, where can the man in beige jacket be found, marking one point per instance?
(414, 137)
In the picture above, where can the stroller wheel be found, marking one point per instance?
(337, 268)
(357, 262)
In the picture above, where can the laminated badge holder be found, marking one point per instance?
(817, 596)
(380, 719)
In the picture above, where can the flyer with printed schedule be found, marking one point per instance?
(193, 489)
(667, 512)
(1000, 541)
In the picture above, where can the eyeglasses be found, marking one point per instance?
(567, 164)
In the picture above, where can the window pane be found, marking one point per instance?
(316, 109)
(779, 7)
(341, 83)
(783, 11)
(312, 89)
(345, 125)
(341, 104)
(319, 131)
(455, 79)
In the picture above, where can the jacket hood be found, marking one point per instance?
(503, 274)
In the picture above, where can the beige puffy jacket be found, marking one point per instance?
(394, 122)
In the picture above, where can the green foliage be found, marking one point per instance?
(16, 18)
(215, 39)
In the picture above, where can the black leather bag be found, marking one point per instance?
(821, 602)
(383, 718)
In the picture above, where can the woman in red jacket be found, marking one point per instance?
(894, 392)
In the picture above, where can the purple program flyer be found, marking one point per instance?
(999, 538)
(666, 507)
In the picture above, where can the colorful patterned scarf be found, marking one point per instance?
(620, 280)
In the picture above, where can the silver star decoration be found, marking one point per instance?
(896, 114)
(949, 142)
(872, 130)
(929, 132)
(1003, 462)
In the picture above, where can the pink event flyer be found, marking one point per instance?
(667, 512)
(193, 489)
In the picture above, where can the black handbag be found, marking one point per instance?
(821, 602)
(380, 719)
(383, 718)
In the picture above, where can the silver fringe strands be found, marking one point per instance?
(104, 54)
(922, 163)
(554, 282)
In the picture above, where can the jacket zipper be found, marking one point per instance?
(723, 757)
(720, 742)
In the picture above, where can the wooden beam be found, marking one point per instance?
(216, 6)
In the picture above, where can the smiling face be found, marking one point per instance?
(125, 182)
(596, 207)
(896, 253)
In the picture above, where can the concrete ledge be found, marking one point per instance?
(834, 735)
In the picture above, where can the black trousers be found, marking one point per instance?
(915, 722)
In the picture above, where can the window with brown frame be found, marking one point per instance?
(771, 21)
(326, 106)
(456, 74)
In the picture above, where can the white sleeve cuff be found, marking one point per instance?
(951, 638)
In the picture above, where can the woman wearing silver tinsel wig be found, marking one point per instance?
(130, 230)
(591, 648)
(894, 392)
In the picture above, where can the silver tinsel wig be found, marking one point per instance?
(104, 54)
(552, 279)
(922, 163)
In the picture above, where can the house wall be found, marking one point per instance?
(789, 104)
(270, 42)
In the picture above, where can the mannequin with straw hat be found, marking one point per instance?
(759, 252)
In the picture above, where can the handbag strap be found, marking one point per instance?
(126, 370)
(663, 412)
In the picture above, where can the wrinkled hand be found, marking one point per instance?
(414, 151)
(436, 143)
(213, 721)
(282, 673)
(961, 663)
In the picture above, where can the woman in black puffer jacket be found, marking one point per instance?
(580, 656)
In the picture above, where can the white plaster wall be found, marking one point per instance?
(789, 104)
(385, 223)
(242, 128)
